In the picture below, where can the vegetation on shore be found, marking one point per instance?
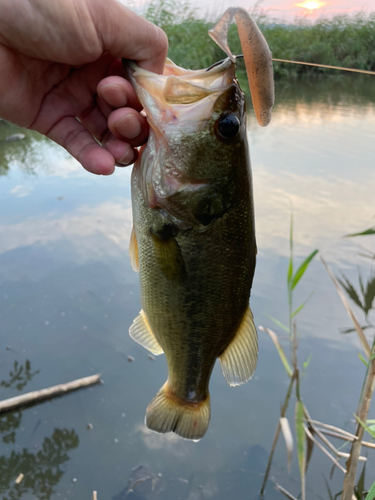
(344, 40)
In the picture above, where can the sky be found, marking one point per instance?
(286, 10)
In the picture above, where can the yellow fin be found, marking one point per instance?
(133, 251)
(141, 332)
(239, 360)
(168, 413)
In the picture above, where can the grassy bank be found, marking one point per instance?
(347, 41)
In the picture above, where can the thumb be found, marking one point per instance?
(125, 34)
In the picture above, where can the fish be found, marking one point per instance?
(193, 237)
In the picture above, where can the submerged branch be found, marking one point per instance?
(50, 392)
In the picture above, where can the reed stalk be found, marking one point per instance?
(277, 435)
(362, 412)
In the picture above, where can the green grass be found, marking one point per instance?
(344, 40)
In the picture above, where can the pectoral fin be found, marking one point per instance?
(141, 332)
(133, 251)
(168, 255)
(238, 361)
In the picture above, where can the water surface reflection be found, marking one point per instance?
(19, 376)
(68, 296)
(42, 469)
(41, 463)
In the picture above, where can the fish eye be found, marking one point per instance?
(228, 126)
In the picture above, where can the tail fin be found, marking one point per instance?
(168, 413)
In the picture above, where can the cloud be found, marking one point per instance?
(21, 191)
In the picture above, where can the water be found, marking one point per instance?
(68, 296)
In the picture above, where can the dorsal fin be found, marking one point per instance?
(141, 332)
(239, 360)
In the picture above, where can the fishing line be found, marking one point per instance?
(326, 66)
(366, 72)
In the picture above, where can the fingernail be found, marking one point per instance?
(129, 127)
(127, 158)
(115, 95)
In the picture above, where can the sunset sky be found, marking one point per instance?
(289, 10)
(285, 10)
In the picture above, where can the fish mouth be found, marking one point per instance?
(182, 106)
(179, 94)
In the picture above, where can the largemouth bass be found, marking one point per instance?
(193, 237)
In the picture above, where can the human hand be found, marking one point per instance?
(61, 61)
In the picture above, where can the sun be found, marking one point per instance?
(310, 5)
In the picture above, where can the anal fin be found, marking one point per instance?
(239, 360)
(133, 251)
(141, 332)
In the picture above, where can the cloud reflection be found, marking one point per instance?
(170, 442)
(324, 208)
(21, 191)
(92, 231)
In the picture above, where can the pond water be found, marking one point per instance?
(68, 296)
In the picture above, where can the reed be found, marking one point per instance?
(310, 433)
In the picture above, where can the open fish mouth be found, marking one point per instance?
(180, 94)
(179, 87)
(182, 107)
